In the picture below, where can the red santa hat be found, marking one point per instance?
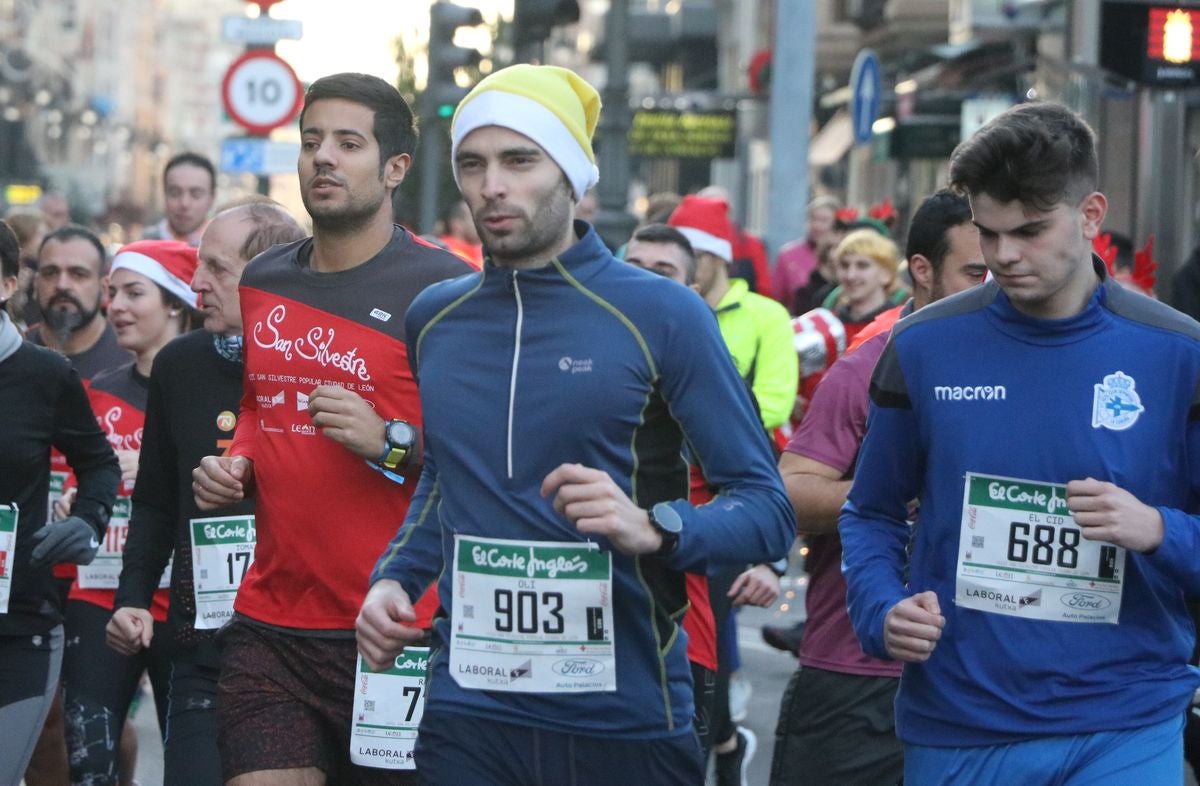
(168, 263)
(704, 221)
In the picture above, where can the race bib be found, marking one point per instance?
(388, 706)
(1021, 554)
(105, 571)
(222, 552)
(532, 617)
(8, 551)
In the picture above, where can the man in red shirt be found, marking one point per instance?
(326, 366)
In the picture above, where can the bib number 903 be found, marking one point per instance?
(522, 608)
(1044, 548)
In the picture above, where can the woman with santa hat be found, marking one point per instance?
(150, 303)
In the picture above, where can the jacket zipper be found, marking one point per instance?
(512, 386)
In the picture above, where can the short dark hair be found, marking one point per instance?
(10, 252)
(662, 233)
(394, 126)
(936, 216)
(192, 159)
(1037, 154)
(73, 232)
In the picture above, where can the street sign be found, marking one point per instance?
(261, 91)
(260, 30)
(673, 133)
(258, 156)
(866, 90)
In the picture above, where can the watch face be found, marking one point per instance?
(666, 518)
(401, 434)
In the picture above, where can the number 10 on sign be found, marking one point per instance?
(261, 91)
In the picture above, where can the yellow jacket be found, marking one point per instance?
(758, 332)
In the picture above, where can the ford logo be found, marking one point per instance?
(1085, 600)
(578, 667)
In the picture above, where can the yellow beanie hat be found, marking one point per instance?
(552, 106)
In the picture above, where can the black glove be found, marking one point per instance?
(69, 540)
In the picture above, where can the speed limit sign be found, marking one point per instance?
(261, 91)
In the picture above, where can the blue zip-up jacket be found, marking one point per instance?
(593, 361)
(969, 384)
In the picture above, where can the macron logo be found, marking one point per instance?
(969, 393)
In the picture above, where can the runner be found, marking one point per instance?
(836, 724)
(42, 404)
(327, 380)
(150, 304)
(585, 373)
(1042, 616)
(186, 421)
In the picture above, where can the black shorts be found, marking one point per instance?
(837, 730)
(284, 701)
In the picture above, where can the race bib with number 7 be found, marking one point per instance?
(388, 706)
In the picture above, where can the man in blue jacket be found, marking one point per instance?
(558, 386)
(1052, 446)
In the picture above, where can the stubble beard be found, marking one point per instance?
(344, 219)
(538, 234)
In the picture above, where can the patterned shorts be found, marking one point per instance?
(284, 701)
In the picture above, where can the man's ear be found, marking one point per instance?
(396, 169)
(921, 270)
(1094, 208)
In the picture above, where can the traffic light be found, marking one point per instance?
(533, 19)
(445, 56)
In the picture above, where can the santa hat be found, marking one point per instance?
(168, 263)
(552, 106)
(704, 221)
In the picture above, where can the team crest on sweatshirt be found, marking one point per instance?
(1116, 404)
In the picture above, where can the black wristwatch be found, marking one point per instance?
(401, 443)
(666, 520)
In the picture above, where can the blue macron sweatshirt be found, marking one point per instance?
(969, 384)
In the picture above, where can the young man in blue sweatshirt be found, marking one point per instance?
(558, 386)
(1052, 446)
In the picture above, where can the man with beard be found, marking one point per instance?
(70, 284)
(557, 512)
(327, 390)
(69, 287)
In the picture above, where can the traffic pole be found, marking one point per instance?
(792, 70)
(614, 222)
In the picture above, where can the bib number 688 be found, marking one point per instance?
(1044, 551)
